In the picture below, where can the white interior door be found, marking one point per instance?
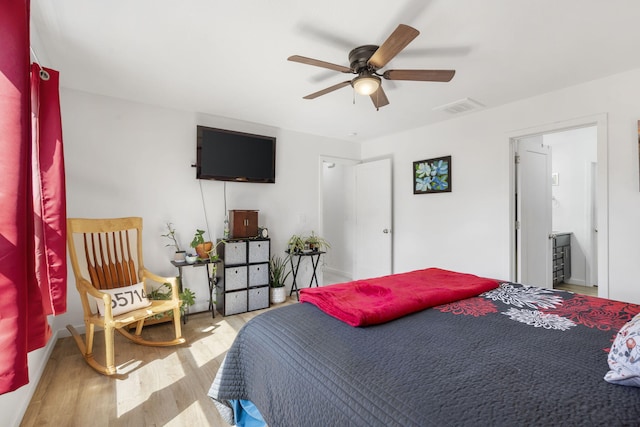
(533, 212)
(592, 271)
(373, 254)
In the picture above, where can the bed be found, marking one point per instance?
(511, 355)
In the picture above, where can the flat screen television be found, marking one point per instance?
(226, 155)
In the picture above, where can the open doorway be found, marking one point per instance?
(574, 214)
(337, 217)
(356, 217)
(576, 243)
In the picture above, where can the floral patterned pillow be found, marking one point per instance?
(624, 356)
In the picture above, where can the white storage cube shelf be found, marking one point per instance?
(235, 278)
(235, 253)
(258, 275)
(244, 284)
(258, 298)
(235, 302)
(259, 251)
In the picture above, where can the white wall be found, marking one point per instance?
(124, 158)
(572, 153)
(130, 159)
(468, 229)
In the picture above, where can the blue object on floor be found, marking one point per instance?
(246, 414)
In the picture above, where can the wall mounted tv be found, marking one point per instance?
(226, 155)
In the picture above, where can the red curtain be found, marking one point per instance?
(49, 198)
(27, 294)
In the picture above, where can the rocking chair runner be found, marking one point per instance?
(107, 263)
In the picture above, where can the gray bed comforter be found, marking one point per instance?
(512, 356)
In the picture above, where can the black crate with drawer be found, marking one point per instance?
(243, 282)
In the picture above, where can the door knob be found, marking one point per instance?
(385, 231)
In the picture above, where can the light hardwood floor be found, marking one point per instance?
(155, 386)
(578, 289)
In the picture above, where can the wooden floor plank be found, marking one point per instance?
(157, 386)
(578, 289)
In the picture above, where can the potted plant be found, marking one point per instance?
(278, 274)
(316, 243)
(201, 246)
(163, 292)
(212, 254)
(295, 244)
(214, 257)
(179, 256)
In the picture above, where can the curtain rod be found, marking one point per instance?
(43, 73)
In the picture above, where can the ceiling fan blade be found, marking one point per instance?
(393, 45)
(420, 75)
(379, 98)
(318, 63)
(327, 90)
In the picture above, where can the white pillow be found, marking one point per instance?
(124, 299)
(624, 356)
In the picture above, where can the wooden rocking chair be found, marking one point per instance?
(109, 281)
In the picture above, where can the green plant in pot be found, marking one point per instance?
(213, 253)
(316, 243)
(295, 244)
(214, 257)
(202, 247)
(278, 273)
(187, 296)
(173, 241)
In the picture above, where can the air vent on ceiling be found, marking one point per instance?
(461, 106)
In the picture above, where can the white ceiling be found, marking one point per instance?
(229, 58)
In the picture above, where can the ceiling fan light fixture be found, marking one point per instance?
(366, 84)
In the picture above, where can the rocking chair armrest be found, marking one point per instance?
(91, 290)
(105, 297)
(172, 281)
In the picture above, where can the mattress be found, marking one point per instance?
(514, 355)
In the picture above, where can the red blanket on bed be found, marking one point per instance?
(379, 300)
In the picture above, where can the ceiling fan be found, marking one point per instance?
(365, 61)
